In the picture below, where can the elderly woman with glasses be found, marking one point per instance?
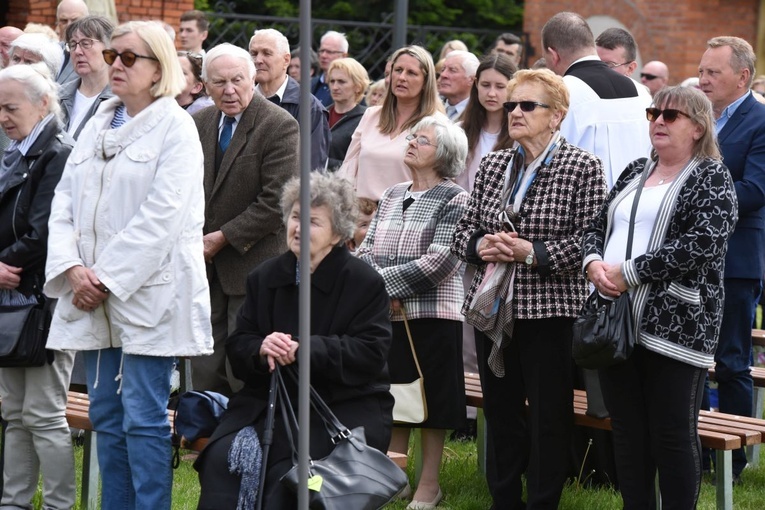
(408, 244)
(686, 210)
(86, 38)
(126, 262)
(522, 230)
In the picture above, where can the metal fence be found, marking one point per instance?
(370, 42)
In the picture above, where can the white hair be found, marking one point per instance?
(468, 61)
(338, 37)
(36, 82)
(227, 50)
(49, 51)
(282, 44)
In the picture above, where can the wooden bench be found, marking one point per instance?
(721, 432)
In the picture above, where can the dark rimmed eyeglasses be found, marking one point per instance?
(128, 58)
(648, 77)
(526, 106)
(670, 114)
(85, 44)
(421, 140)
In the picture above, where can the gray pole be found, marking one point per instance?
(399, 25)
(304, 330)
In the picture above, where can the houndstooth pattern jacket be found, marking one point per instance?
(677, 285)
(558, 206)
(411, 250)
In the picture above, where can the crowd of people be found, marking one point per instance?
(462, 209)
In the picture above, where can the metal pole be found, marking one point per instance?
(304, 330)
(399, 25)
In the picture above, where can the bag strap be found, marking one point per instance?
(411, 343)
(288, 414)
(336, 430)
(638, 191)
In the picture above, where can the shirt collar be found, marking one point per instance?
(729, 110)
(279, 92)
(24, 145)
(459, 106)
(223, 116)
(584, 58)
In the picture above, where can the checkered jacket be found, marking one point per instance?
(558, 206)
(411, 250)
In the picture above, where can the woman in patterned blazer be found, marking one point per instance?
(523, 229)
(686, 212)
(408, 243)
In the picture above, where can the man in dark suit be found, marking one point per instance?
(725, 75)
(250, 148)
(270, 51)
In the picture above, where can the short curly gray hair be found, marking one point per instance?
(451, 144)
(329, 190)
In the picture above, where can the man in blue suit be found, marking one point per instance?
(725, 75)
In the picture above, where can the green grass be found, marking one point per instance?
(465, 487)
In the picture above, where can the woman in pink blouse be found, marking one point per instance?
(373, 162)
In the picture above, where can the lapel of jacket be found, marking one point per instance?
(238, 141)
(738, 117)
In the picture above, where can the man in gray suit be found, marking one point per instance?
(250, 148)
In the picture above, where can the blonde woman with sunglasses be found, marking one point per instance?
(686, 211)
(126, 262)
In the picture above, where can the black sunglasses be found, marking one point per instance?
(648, 77)
(669, 114)
(128, 57)
(526, 106)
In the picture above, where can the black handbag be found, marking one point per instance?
(604, 332)
(24, 333)
(198, 413)
(354, 475)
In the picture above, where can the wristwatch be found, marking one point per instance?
(530, 257)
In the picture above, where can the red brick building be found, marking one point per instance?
(673, 31)
(21, 12)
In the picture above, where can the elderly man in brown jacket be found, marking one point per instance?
(250, 148)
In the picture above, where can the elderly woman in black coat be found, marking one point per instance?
(350, 338)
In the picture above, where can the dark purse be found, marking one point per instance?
(604, 332)
(198, 413)
(24, 333)
(354, 475)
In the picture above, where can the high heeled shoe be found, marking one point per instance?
(426, 505)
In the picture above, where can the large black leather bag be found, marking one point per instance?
(353, 476)
(24, 333)
(604, 332)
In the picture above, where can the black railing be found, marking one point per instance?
(370, 42)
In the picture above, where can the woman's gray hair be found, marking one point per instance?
(451, 144)
(36, 83)
(95, 27)
(332, 191)
(49, 52)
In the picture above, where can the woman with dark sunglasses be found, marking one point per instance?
(126, 262)
(522, 231)
(686, 211)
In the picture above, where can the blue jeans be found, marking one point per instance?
(734, 353)
(134, 445)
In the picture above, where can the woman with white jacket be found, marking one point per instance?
(126, 262)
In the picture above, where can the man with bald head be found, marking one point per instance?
(270, 51)
(67, 12)
(654, 75)
(7, 36)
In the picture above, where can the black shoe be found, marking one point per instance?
(467, 433)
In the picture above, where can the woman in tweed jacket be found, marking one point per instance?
(525, 220)
(408, 243)
(687, 211)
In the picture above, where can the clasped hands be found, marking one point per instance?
(278, 348)
(88, 290)
(10, 276)
(608, 279)
(504, 247)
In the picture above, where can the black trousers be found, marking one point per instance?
(538, 367)
(654, 405)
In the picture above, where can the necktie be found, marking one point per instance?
(275, 99)
(225, 134)
(451, 112)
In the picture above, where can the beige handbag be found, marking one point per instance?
(410, 405)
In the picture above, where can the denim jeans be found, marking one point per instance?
(129, 413)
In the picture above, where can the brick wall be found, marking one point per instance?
(672, 31)
(21, 12)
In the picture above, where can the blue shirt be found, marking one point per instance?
(728, 112)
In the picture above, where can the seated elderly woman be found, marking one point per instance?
(674, 274)
(34, 399)
(523, 229)
(350, 338)
(408, 244)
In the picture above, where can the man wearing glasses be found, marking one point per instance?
(333, 45)
(607, 112)
(654, 75)
(617, 48)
